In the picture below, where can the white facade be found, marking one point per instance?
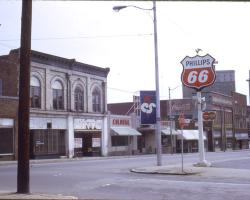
(52, 73)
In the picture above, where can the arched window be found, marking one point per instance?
(57, 89)
(79, 99)
(35, 92)
(96, 100)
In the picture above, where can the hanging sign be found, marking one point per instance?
(148, 107)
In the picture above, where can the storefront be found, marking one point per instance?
(6, 138)
(123, 137)
(242, 141)
(87, 137)
(47, 137)
(169, 140)
(190, 141)
(146, 142)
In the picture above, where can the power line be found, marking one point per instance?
(84, 37)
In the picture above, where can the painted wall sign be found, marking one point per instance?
(198, 71)
(148, 107)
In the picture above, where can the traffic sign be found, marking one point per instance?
(198, 71)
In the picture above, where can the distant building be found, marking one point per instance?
(224, 83)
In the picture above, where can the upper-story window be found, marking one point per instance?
(35, 92)
(57, 89)
(79, 99)
(96, 100)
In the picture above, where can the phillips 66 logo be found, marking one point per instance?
(198, 72)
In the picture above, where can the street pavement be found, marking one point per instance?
(188, 169)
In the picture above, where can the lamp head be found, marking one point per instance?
(118, 8)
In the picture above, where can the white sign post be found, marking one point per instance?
(198, 73)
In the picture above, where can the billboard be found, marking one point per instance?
(148, 107)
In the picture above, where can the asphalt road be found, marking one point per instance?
(110, 178)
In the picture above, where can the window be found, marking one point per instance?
(96, 100)
(79, 99)
(45, 142)
(35, 93)
(57, 96)
(119, 141)
(6, 141)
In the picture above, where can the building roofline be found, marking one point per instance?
(44, 58)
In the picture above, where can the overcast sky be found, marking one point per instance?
(92, 33)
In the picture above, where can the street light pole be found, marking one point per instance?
(158, 113)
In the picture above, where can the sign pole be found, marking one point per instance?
(182, 171)
(202, 160)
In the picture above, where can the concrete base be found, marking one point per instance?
(203, 164)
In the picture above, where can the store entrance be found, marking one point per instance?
(87, 144)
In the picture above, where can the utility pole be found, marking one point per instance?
(23, 170)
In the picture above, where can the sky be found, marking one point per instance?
(92, 33)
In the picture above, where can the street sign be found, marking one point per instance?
(198, 71)
(209, 115)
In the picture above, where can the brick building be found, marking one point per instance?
(9, 106)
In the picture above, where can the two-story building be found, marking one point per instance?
(68, 102)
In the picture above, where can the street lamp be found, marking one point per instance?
(158, 117)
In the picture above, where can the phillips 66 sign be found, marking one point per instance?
(198, 71)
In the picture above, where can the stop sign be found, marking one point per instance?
(198, 71)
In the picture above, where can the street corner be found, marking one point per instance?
(13, 195)
(166, 170)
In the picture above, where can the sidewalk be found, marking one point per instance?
(8, 195)
(190, 169)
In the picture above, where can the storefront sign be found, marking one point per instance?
(96, 142)
(120, 122)
(148, 107)
(78, 143)
(87, 124)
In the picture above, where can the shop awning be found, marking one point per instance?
(124, 131)
(190, 135)
(241, 136)
(167, 132)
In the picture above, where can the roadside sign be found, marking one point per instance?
(182, 121)
(208, 115)
(198, 71)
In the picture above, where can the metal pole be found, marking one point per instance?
(158, 116)
(203, 161)
(170, 116)
(182, 151)
(23, 178)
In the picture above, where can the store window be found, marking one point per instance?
(48, 142)
(6, 140)
(119, 141)
(79, 99)
(57, 89)
(96, 100)
(35, 93)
